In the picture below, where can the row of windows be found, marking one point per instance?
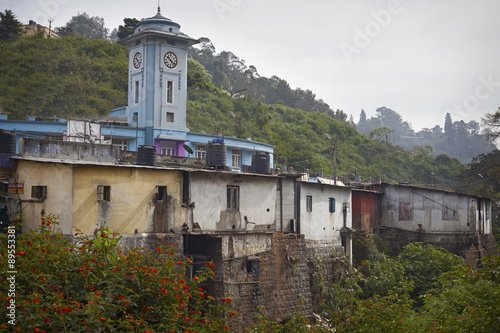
(201, 152)
(169, 92)
(309, 204)
(406, 212)
(104, 194)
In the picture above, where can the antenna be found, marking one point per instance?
(159, 9)
(50, 24)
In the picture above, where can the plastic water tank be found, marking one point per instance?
(261, 162)
(216, 153)
(7, 143)
(146, 155)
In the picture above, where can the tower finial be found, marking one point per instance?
(159, 9)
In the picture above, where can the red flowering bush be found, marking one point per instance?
(93, 286)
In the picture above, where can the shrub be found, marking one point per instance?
(91, 285)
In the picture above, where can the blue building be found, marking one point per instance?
(156, 110)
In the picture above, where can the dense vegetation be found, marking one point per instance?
(230, 73)
(91, 285)
(66, 77)
(423, 289)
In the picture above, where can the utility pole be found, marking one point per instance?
(50, 25)
(334, 147)
(334, 156)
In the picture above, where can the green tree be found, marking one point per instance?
(424, 264)
(127, 28)
(10, 27)
(492, 123)
(86, 26)
(92, 285)
(466, 299)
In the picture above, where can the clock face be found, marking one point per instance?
(170, 59)
(137, 60)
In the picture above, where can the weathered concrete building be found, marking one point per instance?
(262, 230)
(402, 213)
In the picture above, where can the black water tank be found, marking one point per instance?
(146, 155)
(216, 154)
(7, 143)
(260, 162)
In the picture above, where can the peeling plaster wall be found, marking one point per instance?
(59, 181)
(320, 223)
(131, 208)
(427, 206)
(257, 201)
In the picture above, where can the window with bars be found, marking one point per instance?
(233, 196)
(170, 92)
(168, 151)
(309, 203)
(136, 92)
(236, 158)
(201, 151)
(38, 192)
(103, 193)
(121, 143)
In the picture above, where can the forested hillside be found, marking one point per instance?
(457, 139)
(66, 77)
(76, 77)
(230, 73)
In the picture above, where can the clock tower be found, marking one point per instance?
(157, 87)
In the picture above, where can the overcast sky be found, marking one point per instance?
(421, 58)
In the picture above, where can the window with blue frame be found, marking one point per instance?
(332, 205)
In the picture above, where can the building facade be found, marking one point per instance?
(156, 110)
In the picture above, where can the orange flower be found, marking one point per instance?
(103, 319)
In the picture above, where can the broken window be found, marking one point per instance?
(233, 194)
(449, 214)
(161, 193)
(405, 211)
(170, 117)
(253, 267)
(103, 193)
(309, 203)
(38, 192)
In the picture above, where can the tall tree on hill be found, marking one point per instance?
(9, 26)
(492, 123)
(127, 28)
(84, 25)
